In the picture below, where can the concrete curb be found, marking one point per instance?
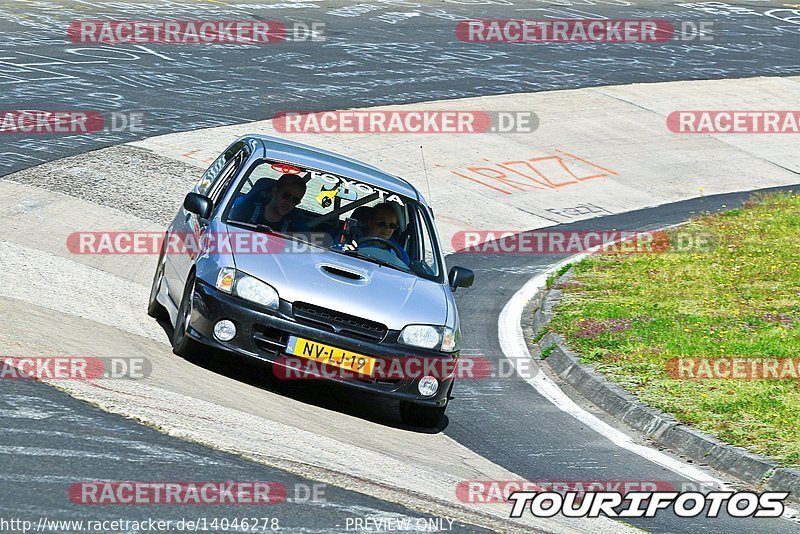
(650, 422)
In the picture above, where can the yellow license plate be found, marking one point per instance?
(328, 355)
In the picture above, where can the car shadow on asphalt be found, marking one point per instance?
(324, 394)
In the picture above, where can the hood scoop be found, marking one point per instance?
(342, 275)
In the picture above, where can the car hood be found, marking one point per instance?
(350, 285)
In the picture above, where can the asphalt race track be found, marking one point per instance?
(381, 52)
(386, 52)
(75, 441)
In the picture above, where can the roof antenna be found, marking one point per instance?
(425, 169)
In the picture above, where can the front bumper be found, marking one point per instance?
(263, 334)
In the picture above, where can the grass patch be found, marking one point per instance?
(563, 269)
(630, 314)
(538, 337)
(547, 351)
(551, 278)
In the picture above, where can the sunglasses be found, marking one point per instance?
(384, 224)
(288, 196)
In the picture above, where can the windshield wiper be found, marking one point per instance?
(373, 259)
(300, 237)
(256, 227)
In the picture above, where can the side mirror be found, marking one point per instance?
(199, 205)
(460, 277)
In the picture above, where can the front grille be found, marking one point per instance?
(269, 339)
(335, 321)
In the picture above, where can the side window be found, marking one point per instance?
(424, 249)
(223, 168)
(221, 184)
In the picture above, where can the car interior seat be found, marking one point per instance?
(361, 214)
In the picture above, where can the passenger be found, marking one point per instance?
(274, 208)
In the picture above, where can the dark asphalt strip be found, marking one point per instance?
(49, 441)
(509, 422)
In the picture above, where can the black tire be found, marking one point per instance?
(154, 308)
(419, 415)
(182, 344)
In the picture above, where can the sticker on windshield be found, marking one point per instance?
(325, 197)
(352, 185)
(285, 168)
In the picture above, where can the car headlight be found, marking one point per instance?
(255, 290)
(429, 337)
(245, 286)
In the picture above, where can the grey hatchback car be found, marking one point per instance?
(318, 265)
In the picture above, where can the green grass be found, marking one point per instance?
(551, 279)
(563, 269)
(538, 337)
(629, 314)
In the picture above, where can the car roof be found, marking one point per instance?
(325, 160)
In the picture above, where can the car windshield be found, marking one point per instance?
(355, 218)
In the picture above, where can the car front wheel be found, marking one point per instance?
(182, 343)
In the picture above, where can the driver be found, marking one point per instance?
(382, 223)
